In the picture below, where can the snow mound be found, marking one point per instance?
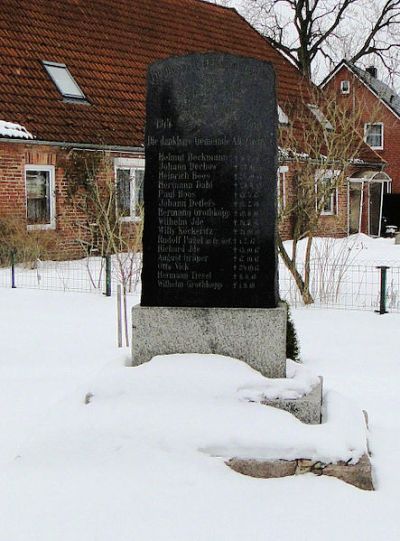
(188, 406)
(299, 381)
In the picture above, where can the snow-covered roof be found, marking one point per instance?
(384, 91)
(15, 131)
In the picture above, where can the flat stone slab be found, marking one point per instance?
(307, 408)
(358, 475)
(256, 336)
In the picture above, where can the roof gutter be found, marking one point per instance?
(77, 146)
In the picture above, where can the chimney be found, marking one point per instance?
(372, 71)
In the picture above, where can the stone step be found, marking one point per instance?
(358, 475)
(307, 408)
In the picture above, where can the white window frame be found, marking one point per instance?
(343, 84)
(129, 164)
(281, 186)
(51, 170)
(333, 201)
(366, 126)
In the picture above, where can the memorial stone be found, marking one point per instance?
(210, 183)
(209, 279)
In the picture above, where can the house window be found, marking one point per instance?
(40, 198)
(129, 177)
(319, 115)
(282, 187)
(327, 192)
(345, 87)
(374, 135)
(64, 81)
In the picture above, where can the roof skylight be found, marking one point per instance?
(319, 115)
(64, 81)
(282, 116)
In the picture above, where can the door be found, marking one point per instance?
(376, 191)
(355, 205)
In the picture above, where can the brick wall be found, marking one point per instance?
(328, 225)
(70, 218)
(371, 109)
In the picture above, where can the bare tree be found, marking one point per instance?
(314, 31)
(319, 168)
(94, 195)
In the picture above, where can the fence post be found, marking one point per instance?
(108, 275)
(13, 269)
(382, 303)
(119, 322)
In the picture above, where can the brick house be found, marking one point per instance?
(378, 107)
(73, 80)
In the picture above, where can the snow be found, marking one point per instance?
(144, 459)
(299, 381)
(13, 130)
(344, 272)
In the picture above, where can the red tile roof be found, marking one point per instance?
(107, 46)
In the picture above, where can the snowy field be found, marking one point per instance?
(132, 463)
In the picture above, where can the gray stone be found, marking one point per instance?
(265, 469)
(397, 238)
(256, 336)
(358, 475)
(307, 408)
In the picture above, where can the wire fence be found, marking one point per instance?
(88, 275)
(367, 285)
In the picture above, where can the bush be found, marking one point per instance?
(27, 246)
(292, 342)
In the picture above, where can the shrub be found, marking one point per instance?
(26, 246)
(292, 342)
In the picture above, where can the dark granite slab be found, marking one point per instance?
(210, 183)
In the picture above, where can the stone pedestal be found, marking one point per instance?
(256, 336)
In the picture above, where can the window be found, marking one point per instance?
(282, 187)
(129, 177)
(374, 135)
(327, 193)
(40, 198)
(345, 87)
(64, 81)
(319, 115)
(282, 116)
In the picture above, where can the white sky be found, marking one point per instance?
(352, 34)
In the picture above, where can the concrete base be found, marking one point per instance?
(358, 475)
(256, 336)
(307, 408)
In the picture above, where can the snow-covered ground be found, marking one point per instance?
(134, 462)
(344, 272)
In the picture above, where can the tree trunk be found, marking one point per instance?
(291, 266)
(307, 263)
